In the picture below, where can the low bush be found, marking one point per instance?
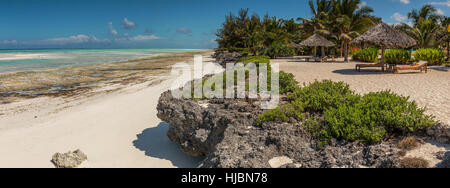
(432, 56)
(279, 49)
(283, 113)
(287, 82)
(376, 116)
(254, 59)
(370, 118)
(366, 55)
(231, 50)
(414, 162)
(397, 56)
(318, 96)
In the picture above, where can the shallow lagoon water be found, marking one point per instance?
(25, 60)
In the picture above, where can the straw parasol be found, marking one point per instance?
(386, 37)
(314, 41)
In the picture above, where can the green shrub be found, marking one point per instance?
(245, 53)
(375, 116)
(319, 96)
(283, 113)
(432, 56)
(279, 49)
(369, 118)
(287, 82)
(254, 59)
(397, 56)
(366, 55)
(231, 50)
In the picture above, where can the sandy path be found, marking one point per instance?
(118, 129)
(430, 90)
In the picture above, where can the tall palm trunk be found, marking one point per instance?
(346, 51)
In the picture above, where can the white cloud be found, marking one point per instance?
(440, 12)
(111, 29)
(443, 3)
(9, 42)
(399, 17)
(184, 30)
(405, 1)
(81, 38)
(60, 41)
(362, 4)
(128, 24)
(144, 37)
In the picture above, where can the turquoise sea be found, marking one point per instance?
(23, 60)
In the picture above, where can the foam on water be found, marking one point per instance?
(23, 60)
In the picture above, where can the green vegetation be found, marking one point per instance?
(261, 36)
(397, 56)
(283, 113)
(432, 56)
(337, 112)
(254, 59)
(287, 82)
(340, 21)
(279, 49)
(319, 96)
(428, 27)
(366, 55)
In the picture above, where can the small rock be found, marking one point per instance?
(202, 134)
(69, 159)
(277, 162)
(442, 155)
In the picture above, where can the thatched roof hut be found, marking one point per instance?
(385, 36)
(316, 40)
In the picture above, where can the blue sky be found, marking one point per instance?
(150, 23)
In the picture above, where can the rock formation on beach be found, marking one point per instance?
(229, 133)
(224, 131)
(69, 159)
(222, 58)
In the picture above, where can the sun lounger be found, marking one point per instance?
(422, 66)
(366, 65)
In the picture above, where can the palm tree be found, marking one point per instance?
(427, 12)
(350, 19)
(427, 26)
(320, 20)
(425, 33)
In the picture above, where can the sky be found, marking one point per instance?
(188, 24)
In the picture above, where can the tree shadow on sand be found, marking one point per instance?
(155, 143)
(440, 68)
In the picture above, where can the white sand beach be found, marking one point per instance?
(117, 127)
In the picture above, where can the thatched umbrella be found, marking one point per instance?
(314, 41)
(386, 37)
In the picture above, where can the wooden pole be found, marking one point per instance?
(323, 51)
(382, 58)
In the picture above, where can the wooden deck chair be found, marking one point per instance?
(422, 66)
